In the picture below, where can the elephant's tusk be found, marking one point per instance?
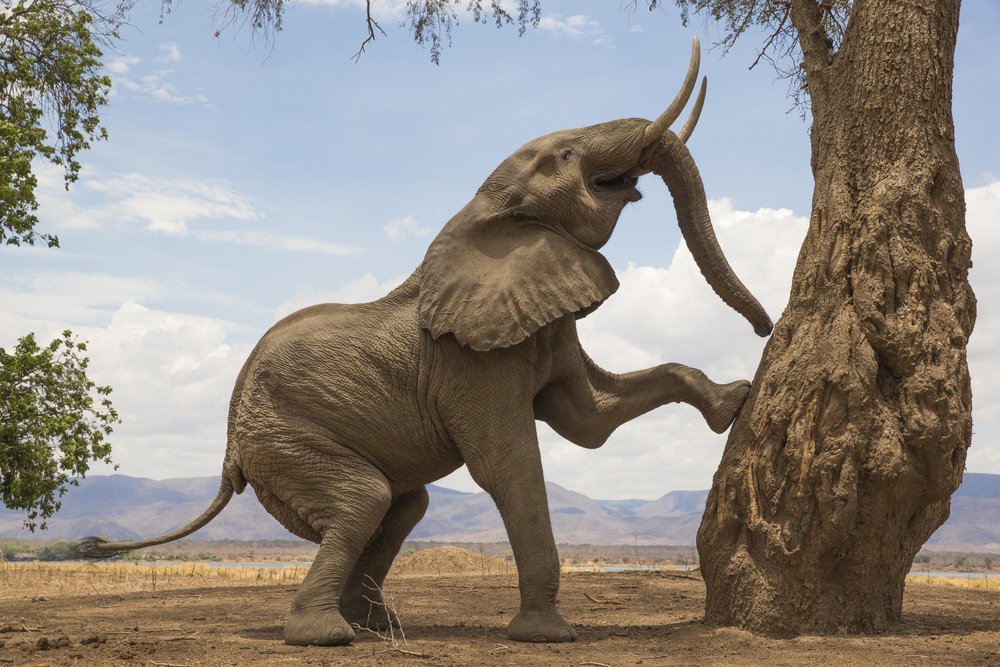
(658, 126)
(692, 120)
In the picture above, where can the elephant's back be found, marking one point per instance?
(329, 364)
(394, 309)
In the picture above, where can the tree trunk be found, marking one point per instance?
(844, 458)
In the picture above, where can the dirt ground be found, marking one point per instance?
(83, 618)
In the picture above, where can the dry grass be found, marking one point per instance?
(40, 580)
(986, 583)
(566, 569)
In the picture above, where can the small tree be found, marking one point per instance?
(51, 425)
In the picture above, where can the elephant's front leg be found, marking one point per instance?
(588, 404)
(503, 458)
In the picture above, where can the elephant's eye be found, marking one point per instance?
(567, 154)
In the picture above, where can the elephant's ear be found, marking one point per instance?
(493, 281)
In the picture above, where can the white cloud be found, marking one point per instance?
(165, 206)
(576, 26)
(154, 86)
(172, 375)
(155, 204)
(661, 315)
(982, 213)
(261, 239)
(49, 302)
(362, 290)
(172, 53)
(399, 229)
(122, 64)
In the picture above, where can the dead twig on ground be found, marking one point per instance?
(593, 599)
(392, 616)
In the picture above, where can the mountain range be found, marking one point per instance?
(122, 507)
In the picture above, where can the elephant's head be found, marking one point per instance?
(523, 252)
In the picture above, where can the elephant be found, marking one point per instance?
(343, 413)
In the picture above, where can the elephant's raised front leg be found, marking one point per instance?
(501, 452)
(588, 404)
(361, 602)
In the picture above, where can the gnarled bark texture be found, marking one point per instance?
(854, 436)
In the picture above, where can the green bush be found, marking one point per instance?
(58, 551)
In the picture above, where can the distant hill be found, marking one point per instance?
(121, 507)
(975, 516)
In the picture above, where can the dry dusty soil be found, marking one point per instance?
(80, 618)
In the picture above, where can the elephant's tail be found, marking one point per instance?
(99, 548)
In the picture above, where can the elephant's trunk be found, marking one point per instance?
(670, 160)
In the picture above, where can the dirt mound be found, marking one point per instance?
(449, 560)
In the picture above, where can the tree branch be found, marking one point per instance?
(372, 24)
(807, 18)
(777, 31)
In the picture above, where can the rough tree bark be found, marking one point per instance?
(844, 457)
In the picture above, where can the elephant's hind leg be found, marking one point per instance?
(344, 498)
(361, 602)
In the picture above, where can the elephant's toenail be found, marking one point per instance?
(540, 637)
(565, 636)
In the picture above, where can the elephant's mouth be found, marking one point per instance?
(614, 184)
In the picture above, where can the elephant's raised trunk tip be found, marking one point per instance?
(763, 328)
(89, 549)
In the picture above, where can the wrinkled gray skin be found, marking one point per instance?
(343, 413)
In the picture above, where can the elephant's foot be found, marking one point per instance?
(535, 626)
(318, 628)
(373, 615)
(727, 404)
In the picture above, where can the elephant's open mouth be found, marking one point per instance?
(614, 183)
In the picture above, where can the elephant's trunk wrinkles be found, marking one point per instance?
(98, 548)
(671, 161)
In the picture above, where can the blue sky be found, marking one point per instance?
(243, 181)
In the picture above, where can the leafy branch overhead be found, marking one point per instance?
(429, 21)
(782, 48)
(50, 68)
(53, 421)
